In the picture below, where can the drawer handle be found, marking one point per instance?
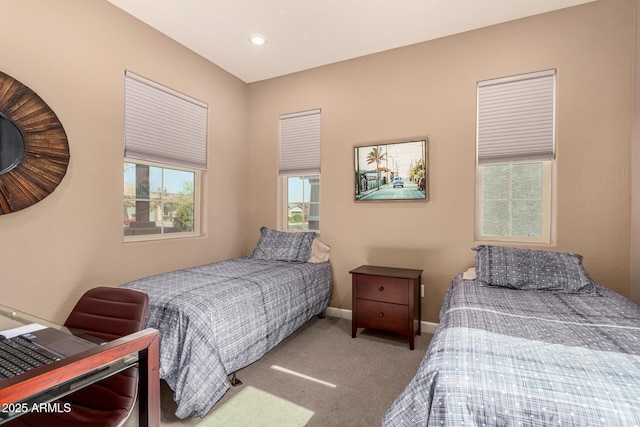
(381, 314)
(381, 288)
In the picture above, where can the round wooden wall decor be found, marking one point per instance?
(34, 152)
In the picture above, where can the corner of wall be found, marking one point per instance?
(634, 285)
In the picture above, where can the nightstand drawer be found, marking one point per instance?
(381, 315)
(380, 288)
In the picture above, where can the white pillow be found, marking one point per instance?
(319, 252)
(470, 274)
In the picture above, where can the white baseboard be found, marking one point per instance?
(342, 313)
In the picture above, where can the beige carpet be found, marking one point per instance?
(319, 376)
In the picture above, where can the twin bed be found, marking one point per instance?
(218, 318)
(525, 338)
(530, 340)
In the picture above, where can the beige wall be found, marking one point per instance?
(73, 54)
(429, 89)
(635, 168)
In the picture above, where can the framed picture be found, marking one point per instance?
(392, 171)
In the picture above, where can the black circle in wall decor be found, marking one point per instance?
(34, 151)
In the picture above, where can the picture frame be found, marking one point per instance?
(392, 171)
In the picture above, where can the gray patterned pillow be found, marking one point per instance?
(283, 246)
(531, 269)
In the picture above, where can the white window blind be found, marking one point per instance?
(516, 118)
(162, 125)
(300, 143)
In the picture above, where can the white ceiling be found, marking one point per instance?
(304, 34)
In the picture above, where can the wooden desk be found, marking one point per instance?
(47, 383)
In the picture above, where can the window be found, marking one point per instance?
(159, 200)
(303, 202)
(165, 154)
(515, 153)
(300, 170)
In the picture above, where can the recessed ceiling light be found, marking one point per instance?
(257, 39)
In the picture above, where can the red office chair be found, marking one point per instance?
(106, 313)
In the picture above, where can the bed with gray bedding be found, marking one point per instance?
(218, 318)
(532, 341)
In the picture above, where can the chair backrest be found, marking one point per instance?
(109, 313)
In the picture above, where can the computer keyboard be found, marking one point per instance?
(18, 355)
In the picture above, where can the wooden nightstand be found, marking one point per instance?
(386, 298)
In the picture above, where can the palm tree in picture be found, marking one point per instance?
(376, 156)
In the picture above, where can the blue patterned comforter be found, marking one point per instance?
(504, 357)
(217, 318)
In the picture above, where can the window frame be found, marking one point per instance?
(299, 155)
(197, 184)
(150, 140)
(516, 121)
